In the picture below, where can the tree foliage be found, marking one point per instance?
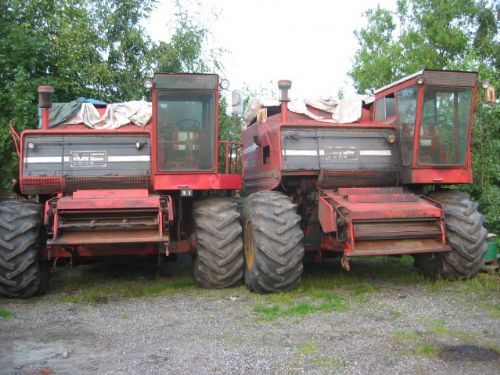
(440, 34)
(85, 48)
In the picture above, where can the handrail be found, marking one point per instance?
(230, 157)
(16, 138)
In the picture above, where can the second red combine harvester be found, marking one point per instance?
(128, 190)
(359, 179)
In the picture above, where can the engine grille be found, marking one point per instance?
(41, 185)
(50, 185)
(129, 182)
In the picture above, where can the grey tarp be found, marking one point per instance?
(115, 115)
(62, 112)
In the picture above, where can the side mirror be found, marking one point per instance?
(490, 92)
(490, 95)
(237, 103)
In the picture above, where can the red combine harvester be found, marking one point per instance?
(127, 191)
(336, 178)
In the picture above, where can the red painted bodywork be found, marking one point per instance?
(374, 213)
(78, 237)
(260, 176)
(374, 216)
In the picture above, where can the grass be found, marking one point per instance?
(105, 282)
(311, 350)
(405, 336)
(427, 350)
(419, 344)
(482, 284)
(416, 342)
(396, 313)
(119, 289)
(308, 349)
(275, 311)
(330, 362)
(5, 314)
(437, 327)
(493, 309)
(325, 287)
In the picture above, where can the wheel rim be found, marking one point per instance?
(249, 246)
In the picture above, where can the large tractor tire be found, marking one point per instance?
(22, 274)
(218, 261)
(273, 242)
(464, 233)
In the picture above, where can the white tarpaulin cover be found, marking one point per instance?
(116, 115)
(254, 104)
(340, 111)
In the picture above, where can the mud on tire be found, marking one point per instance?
(22, 274)
(464, 233)
(218, 262)
(273, 242)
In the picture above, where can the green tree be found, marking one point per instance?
(83, 48)
(440, 34)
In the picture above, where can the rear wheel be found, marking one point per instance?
(273, 242)
(464, 233)
(22, 274)
(218, 262)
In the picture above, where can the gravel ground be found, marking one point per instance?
(397, 328)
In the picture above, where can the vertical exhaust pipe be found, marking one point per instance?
(45, 103)
(284, 85)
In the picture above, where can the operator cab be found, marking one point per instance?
(185, 118)
(433, 113)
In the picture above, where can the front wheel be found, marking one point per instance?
(465, 234)
(273, 242)
(22, 274)
(218, 262)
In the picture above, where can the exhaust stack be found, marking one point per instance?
(284, 85)
(45, 103)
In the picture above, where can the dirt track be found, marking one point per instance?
(381, 318)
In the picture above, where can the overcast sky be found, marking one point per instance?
(310, 42)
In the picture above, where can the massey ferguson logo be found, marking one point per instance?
(88, 159)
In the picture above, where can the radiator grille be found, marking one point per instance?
(76, 183)
(51, 185)
(41, 185)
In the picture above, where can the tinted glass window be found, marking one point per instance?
(407, 110)
(384, 107)
(445, 124)
(186, 127)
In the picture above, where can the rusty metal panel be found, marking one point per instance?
(108, 237)
(371, 190)
(381, 198)
(396, 229)
(326, 215)
(109, 217)
(381, 221)
(402, 246)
